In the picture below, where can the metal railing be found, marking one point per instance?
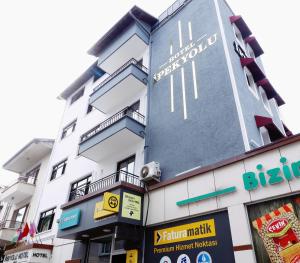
(113, 119)
(128, 63)
(10, 224)
(120, 176)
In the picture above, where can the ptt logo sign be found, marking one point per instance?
(197, 230)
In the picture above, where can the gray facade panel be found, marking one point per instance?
(130, 70)
(124, 123)
(211, 130)
(131, 30)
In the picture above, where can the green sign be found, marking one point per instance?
(131, 206)
(272, 176)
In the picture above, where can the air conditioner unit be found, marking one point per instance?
(149, 172)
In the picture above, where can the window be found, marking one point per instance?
(124, 167)
(251, 83)
(58, 170)
(80, 188)
(238, 36)
(264, 135)
(68, 129)
(250, 51)
(77, 96)
(18, 217)
(265, 100)
(32, 175)
(90, 108)
(46, 220)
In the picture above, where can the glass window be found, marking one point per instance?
(251, 82)
(58, 170)
(32, 175)
(19, 214)
(265, 100)
(80, 188)
(46, 220)
(90, 108)
(68, 129)
(239, 36)
(124, 167)
(77, 96)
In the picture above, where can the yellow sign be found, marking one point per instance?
(132, 256)
(111, 202)
(131, 206)
(197, 230)
(99, 212)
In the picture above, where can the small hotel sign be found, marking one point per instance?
(69, 219)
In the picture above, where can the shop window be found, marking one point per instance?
(32, 175)
(251, 83)
(265, 137)
(46, 220)
(265, 100)
(77, 96)
(80, 188)
(58, 170)
(68, 129)
(281, 214)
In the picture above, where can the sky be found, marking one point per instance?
(44, 44)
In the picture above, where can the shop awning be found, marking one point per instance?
(287, 131)
(274, 132)
(270, 91)
(255, 70)
(241, 25)
(254, 45)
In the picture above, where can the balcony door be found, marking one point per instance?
(124, 167)
(18, 217)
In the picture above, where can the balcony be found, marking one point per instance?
(19, 191)
(8, 231)
(122, 130)
(120, 87)
(106, 182)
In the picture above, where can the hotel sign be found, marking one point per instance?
(184, 55)
(30, 256)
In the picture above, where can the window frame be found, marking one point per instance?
(57, 166)
(41, 218)
(35, 171)
(65, 130)
(89, 181)
(251, 83)
(265, 100)
(77, 96)
(239, 37)
(263, 133)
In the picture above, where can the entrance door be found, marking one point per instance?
(99, 251)
(119, 258)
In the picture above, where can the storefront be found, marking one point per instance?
(250, 205)
(108, 226)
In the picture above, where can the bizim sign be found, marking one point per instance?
(69, 219)
(272, 176)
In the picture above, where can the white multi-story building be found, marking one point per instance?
(184, 102)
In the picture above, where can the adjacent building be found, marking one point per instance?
(184, 100)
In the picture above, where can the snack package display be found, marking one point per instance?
(280, 232)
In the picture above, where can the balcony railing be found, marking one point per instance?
(113, 119)
(9, 224)
(22, 179)
(128, 63)
(120, 176)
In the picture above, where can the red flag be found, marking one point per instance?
(25, 231)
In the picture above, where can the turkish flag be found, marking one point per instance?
(25, 231)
